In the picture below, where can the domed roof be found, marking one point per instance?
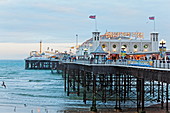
(99, 50)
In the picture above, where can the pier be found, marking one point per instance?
(43, 64)
(122, 86)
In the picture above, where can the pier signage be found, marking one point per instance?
(126, 34)
(144, 63)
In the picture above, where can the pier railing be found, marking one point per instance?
(144, 63)
(53, 64)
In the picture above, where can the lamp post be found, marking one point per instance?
(109, 47)
(76, 41)
(123, 53)
(120, 43)
(162, 48)
(141, 45)
(85, 52)
(130, 47)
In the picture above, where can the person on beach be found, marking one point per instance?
(3, 84)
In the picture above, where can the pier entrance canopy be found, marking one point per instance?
(99, 55)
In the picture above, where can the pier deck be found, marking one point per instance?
(123, 86)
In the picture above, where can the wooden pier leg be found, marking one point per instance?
(162, 97)
(38, 65)
(125, 88)
(119, 92)
(93, 108)
(68, 83)
(111, 84)
(65, 80)
(88, 81)
(102, 86)
(153, 92)
(49, 65)
(78, 84)
(116, 91)
(42, 65)
(130, 82)
(118, 98)
(26, 64)
(167, 98)
(74, 80)
(158, 92)
(31, 65)
(84, 87)
(128, 85)
(137, 94)
(150, 88)
(143, 93)
(105, 87)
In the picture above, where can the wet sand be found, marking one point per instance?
(25, 109)
(151, 109)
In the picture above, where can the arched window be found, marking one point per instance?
(145, 46)
(103, 45)
(135, 46)
(125, 46)
(114, 46)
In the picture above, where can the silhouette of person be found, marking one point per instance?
(3, 84)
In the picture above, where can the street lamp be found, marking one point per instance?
(85, 52)
(162, 48)
(123, 53)
(76, 41)
(123, 48)
(130, 47)
(120, 43)
(162, 42)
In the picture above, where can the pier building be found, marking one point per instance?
(112, 43)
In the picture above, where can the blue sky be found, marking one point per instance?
(58, 21)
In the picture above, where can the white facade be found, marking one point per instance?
(113, 45)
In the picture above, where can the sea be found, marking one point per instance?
(33, 91)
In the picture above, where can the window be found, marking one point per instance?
(114, 46)
(103, 46)
(135, 46)
(145, 46)
(125, 46)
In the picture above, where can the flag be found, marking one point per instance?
(92, 16)
(72, 47)
(152, 18)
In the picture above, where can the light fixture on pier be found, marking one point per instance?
(162, 48)
(123, 53)
(162, 42)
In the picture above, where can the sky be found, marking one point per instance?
(23, 23)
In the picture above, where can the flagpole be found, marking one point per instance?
(154, 24)
(96, 24)
(153, 18)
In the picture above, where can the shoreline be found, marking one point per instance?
(156, 108)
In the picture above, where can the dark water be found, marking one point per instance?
(33, 91)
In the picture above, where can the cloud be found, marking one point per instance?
(55, 7)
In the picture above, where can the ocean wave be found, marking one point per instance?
(38, 81)
(39, 96)
(13, 72)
